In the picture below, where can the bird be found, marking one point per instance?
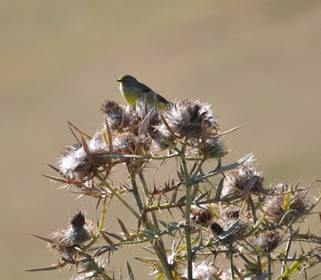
(134, 91)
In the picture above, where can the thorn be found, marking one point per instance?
(229, 131)
(56, 179)
(86, 149)
(72, 132)
(109, 137)
(78, 130)
(54, 168)
(53, 267)
(46, 239)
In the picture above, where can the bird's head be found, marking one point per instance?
(127, 80)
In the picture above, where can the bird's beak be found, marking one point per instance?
(119, 80)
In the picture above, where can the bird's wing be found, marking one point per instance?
(146, 89)
(161, 99)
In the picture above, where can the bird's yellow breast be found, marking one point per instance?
(130, 94)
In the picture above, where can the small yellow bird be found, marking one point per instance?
(133, 91)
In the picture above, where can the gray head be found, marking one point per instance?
(127, 80)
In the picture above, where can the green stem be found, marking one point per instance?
(252, 207)
(153, 214)
(137, 197)
(103, 215)
(115, 193)
(259, 265)
(102, 221)
(287, 250)
(231, 264)
(144, 184)
(270, 266)
(162, 257)
(188, 204)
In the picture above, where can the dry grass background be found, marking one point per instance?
(257, 62)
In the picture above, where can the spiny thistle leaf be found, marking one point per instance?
(130, 272)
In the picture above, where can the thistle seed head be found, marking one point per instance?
(213, 148)
(229, 227)
(74, 163)
(63, 242)
(204, 271)
(273, 206)
(162, 138)
(267, 241)
(287, 201)
(188, 118)
(78, 231)
(125, 143)
(300, 202)
(118, 116)
(98, 143)
(231, 214)
(201, 216)
(246, 178)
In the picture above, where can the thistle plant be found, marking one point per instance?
(209, 220)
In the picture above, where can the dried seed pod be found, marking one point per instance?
(162, 138)
(300, 202)
(125, 143)
(231, 214)
(78, 232)
(230, 226)
(201, 216)
(78, 161)
(273, 206)
(74, 163)
(242, 180)
(204, 271)
(188, 118)
(64, 241)
(267, 241)
(118, 116)
(287, 203)
(213, 148)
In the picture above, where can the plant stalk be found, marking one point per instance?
(161, 255)
(188, 204)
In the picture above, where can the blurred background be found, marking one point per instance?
(257, 62)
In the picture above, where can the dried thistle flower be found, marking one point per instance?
(201, 216)
(267, 241)
(74, 163)
(213, 148)
(273, 206)
(300, 202)
(78, 231)
(244, 179)
(98, 143)
(230, 226)
(204, 271)
(118, 116)
(162, 138)
(78, 161)
(230, 215)
(125, 143)
(287, 204)
(63, 242)
(188, 118)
